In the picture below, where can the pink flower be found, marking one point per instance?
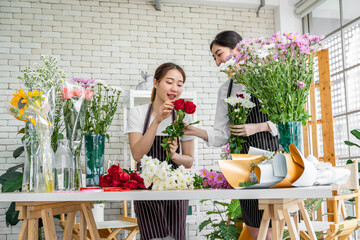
(300, 84)
(77, 92)
(204, 173)
(66, 94)
(88, 94)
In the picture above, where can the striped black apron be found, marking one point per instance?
(159, 219)
(263, 140)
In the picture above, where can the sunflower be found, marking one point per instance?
(35, 93)
(20, 100)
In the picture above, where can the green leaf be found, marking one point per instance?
(21, 131)
(13, 184)
(204, 224)
(18, 151)
(221, 203)
(14, 168)
(9, 175)
(214, 212)
(351, 144)
(356, 133)
(229, 232)
(234, 209)
(12, 215)
(204, 200)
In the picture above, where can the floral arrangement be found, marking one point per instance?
(47, 78)
(76, 97)
(101, 110)
(176, 128)
(162, 176)
(118, 177)
(278, 72)
(225, 152)
(239, 108)
(214, 179)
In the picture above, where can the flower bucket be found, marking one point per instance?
(94, 158)
(290, 133)
(98, 212)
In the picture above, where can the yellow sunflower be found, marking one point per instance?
(35, 93)
(20, 100)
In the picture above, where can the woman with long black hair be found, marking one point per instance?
(258, 131)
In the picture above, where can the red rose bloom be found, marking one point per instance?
(105, 182)
(190, 107)
(136, 176)
(141, 186)
(114, 169)
(132, 184)
(124, 177)
(179, 104)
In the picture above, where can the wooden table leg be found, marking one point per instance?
(82, 226)
(291, 225)
(86, 208)
(48, 221)
(33, 229)
(23, 235)
(70, 220)
(306, 218)
(264, 223)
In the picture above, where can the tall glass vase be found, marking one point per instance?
(290, 133)
(94, 158)
(31, 143)
(44, 157)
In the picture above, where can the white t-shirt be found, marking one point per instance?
(136, 121)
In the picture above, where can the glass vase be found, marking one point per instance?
(30, 145)
(63, 167)
(290, 133)
(44, 157)
(94, 158)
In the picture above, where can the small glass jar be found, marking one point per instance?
(63, 167)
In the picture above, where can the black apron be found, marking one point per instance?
(162, 218)
(263, 140)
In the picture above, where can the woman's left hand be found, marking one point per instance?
(173, 147)
(245, 129)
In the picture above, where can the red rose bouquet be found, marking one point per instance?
(118, 177)
(176, 128)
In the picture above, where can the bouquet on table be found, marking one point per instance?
(279, 73)
(239, 108)
(176, 128)
(76, 97)
(213, 179)
(99, 115)
(118, 177)
(162, 176)
(34, 106)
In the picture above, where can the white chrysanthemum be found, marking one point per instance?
(170, 182)
(224, 66)
(147, 182)
(161, 173)
(145, 160)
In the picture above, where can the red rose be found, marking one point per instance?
(136, 176)
(132, 184)
(117, 183)
(114, 169)
(141, 186)
(124, 177)
(179, 104)
(105, 182)
(190, 107)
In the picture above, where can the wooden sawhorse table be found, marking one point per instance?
(30, 212)
(278, 210)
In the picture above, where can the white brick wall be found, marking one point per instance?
(114, 41)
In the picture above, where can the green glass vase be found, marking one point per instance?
(94, 158)
(290, 133)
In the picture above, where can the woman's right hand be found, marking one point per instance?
(164, 111)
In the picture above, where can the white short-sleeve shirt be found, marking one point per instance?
(136, 121)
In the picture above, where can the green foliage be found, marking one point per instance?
(223, 228)
(198, 181)
(101, 109)
(12, 215)
(355, 133)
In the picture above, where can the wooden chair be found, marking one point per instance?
(340, 228)
(108, 229)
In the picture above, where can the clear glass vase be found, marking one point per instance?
(94, 158)
(290, 133)
(31, 144)
(63, 167)
(44, 179)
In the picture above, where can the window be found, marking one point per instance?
(339, 21)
